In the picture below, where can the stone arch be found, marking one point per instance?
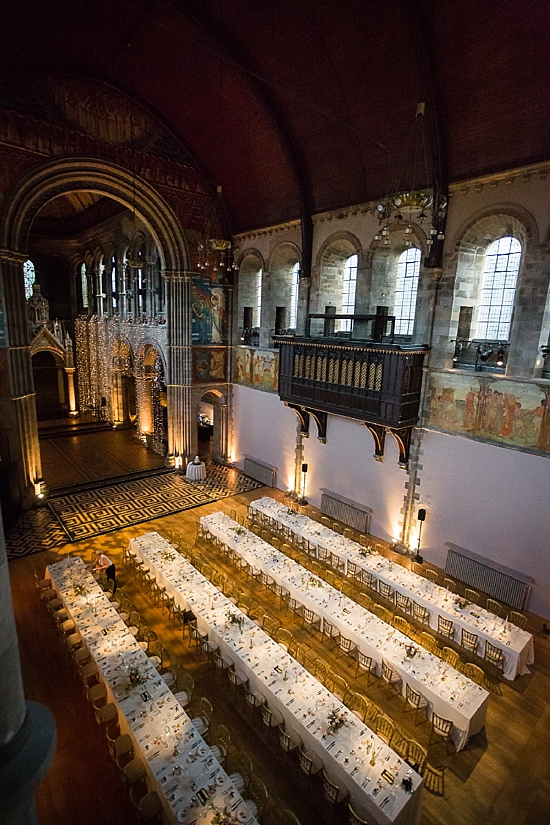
(22, 203)
(41, 184)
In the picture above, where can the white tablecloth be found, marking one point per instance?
(449, 693)
(516, 644)
(301, 699)
(195, 472)
(179, 763)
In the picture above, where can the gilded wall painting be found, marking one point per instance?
(257, 368)
(209, 365)
(209, 313)
(494, 409)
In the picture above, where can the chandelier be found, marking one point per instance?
(405, 206)
(215, 255)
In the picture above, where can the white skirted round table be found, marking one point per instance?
(196, 472)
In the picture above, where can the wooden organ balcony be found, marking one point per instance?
(376, 383)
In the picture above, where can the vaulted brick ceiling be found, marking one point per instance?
(296, 106)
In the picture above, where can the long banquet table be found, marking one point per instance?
(354, 757)
(516, 644)
(180, 766)
(449, 693)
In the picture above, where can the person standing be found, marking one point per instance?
(103, 562)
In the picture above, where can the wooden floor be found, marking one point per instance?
(500, 778)
(93, 456)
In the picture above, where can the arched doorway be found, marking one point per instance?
(211, 437)
(151, 400)
(50, 385)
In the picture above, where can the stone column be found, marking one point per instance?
(298, 460)
(122, 286)
(60, 385)
(70, 371)
(20, 406)
(99, 292)
(27, 730)
(181, 420)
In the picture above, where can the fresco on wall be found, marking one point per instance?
(257, 368)
(494, 409)
(209, 313)
(209, 365)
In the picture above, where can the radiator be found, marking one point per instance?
(260, 471)
(497, 581)
(348, 512)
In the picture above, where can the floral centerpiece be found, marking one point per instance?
(235, 618)
(238, 531)
(462, 603)
(223, 818)
(167, 555)
(80, 590)
(135, 676)
(314, 581)
(410, 651)
(366, 551)
(336, 720)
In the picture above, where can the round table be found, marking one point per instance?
(195, 472)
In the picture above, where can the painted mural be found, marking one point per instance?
(494, 409)
(209, 313)
(209, 365)
(257, 368)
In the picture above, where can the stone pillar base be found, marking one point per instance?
(24, 763)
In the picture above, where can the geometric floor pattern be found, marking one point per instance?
(34, 531)
(83, 513)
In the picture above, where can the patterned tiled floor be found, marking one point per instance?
(89, 510)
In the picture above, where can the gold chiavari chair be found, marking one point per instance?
(391, 680)
(384, 728)
(415, 701)
(469, 641)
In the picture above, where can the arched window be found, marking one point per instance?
(348, 291)
(496, 304)
(84, 283)
(29, 275)
(406, 287)
(294, 296)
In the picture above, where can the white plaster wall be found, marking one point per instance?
(345, 465)
(264, 429)
(491, 500)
